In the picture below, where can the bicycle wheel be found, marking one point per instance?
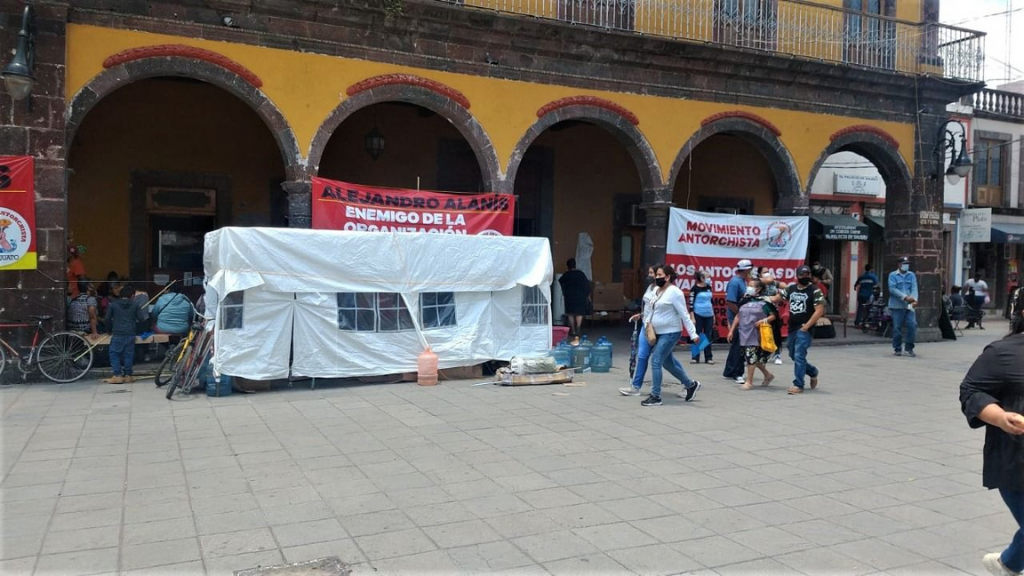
(178, 374)
(166, 369)
(64, 357)
(3, 363)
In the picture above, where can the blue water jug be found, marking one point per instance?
(218, 385)
(601, 356)
(581, 354)
(561, 354)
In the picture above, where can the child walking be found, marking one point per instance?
(121, 316)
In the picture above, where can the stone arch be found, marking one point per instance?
(620, 126)
(880, 148)
(444, 105)
(764, 136)
(122, 74)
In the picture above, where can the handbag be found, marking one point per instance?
(767, 338)
(652, 336)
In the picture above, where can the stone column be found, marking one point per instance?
(655, 205)
(300, 203)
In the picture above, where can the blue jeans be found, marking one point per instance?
(799, 343)
(122, 354)
(643, 354)
(1013, 556)
(661, 356)
(705, 325)
(903, 319)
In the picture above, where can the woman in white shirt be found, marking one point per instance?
(668, 315)
(643, 349)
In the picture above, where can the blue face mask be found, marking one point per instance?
(904, 267)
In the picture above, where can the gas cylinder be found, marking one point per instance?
(426, 368)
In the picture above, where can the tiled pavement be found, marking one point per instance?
(876, 472)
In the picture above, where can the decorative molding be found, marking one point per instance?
(744, 115)
(183, 51)
(864, 128)
(588, 101)
(408, 80)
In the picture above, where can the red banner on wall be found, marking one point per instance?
(17, 213)
(344, 206)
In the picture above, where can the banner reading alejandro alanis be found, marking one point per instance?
(714, 243)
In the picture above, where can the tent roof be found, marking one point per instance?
(301, 260)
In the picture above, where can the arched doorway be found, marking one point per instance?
(157, 163)
(401, 145)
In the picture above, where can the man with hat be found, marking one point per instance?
(734, 291)
(806, 307)
(902, 300)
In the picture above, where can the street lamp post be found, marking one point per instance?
(17, 74)
(961, 163)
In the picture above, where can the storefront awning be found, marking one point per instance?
(838, 227)
(1007, 233)
(876, 224)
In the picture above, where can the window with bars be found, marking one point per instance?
(372, 312)
(534, 308)
(231, 311)
(989, 171)
(437, 310)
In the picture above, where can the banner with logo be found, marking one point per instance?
(17, 213)
(344, 206)
(714, 243)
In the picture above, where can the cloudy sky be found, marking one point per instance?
(991, 16)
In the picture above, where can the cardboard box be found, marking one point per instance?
(560, 377)
(609, 297)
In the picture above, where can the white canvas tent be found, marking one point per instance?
(341, 304)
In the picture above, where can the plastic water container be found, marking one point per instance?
(601, 356)
(581, 353)
(562, 354)
(426, 368)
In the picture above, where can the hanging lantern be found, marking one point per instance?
(374, 143)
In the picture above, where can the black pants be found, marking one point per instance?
(734, 365)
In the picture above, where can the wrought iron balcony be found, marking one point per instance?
(997, 102)
(791, 27)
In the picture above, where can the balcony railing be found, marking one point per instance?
(791, 27)
(997, 102)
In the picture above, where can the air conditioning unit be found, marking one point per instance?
(637, 216)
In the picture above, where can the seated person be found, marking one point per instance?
(956, 299)
(83, 313)
(172, 312)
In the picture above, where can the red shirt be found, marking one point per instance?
(76, 271)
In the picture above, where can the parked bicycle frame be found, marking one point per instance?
(61, 357)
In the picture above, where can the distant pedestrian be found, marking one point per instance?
(755, 310)
(864, 287)
(902, 300)
(773, 292)
(734, 293)
(703, 314)
(576, 292)
(643, 348)
(806, 307)
(822, 273)
(977, 298)
(122, 316)
(992, 395)
(668, 315)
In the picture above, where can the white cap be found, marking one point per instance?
(744, 265)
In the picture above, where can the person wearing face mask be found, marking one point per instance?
(703, 314)
(822, 273)
(806, 307)
(755, 309)
(734, 292)
(643, 348)
(668, 315)
(902, 300)
(772, 293)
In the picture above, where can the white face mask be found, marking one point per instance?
(751, 290)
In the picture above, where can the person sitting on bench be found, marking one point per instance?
(172, 312)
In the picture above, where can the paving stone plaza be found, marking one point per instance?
(874, 473)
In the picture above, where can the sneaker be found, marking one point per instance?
(897, 353)
(710, 362)
(651, 400)
(739, 379)
(689, 392)
(778, 360)
(129, 379)
(911, 354)
(994, 564)
(115, 380)
(629, 391)
(814, 383)
(694, 361)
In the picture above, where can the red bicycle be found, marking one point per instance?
(61, 356)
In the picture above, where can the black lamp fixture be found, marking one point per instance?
(17, 74)
(374, 141)
(961, 165)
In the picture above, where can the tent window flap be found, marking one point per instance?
(534, 308)
(437, 310)
(232, 311)
(373, 312)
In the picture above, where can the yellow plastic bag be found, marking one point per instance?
(767, 338)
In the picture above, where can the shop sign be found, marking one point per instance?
(976, 225)
(17, 213)
(344, 206)
(847, 232)
(858, 185)
(931, 218)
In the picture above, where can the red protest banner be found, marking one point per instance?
(344, 206)
(17, 213)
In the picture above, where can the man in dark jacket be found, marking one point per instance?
(121, 317)
(576, 291)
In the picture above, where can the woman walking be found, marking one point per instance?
(992, 395)
(755, 310)
(668, 315)
(703, 314)
(643, 351)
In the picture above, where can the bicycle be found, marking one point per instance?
(192, 357)
(176, 354)
(61, 357)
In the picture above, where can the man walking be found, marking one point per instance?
(576, 292)
(734, 292)
(902, 300)
(806, 307)
(865, 287)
